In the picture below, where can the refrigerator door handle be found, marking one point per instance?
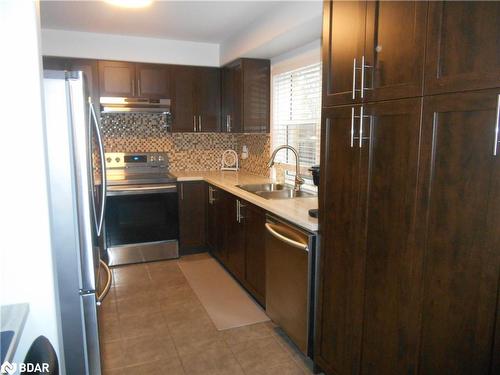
(100, 297)
(99, 222)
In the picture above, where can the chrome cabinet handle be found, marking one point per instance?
(199, 122)
(287, 240)
(354, 78)
(230, 126)
(495, 146)
(211, 198)
(363, 67)
(227, 123)
(238, 211)
(194, 123)
(104, 181)
(138, 87)
(361, 117)
(105, 291)
(352, 127)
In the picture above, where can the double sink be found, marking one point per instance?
(275, 191)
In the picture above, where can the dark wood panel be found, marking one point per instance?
(343, 41)
(341, 276)
(216, 224)
(394, 49)
(232, 97)
(183, 106)
(208, 99)
(463, 46)
(153, 80)
(235, 238)
(460, 195)
(192, 213)
(117, 78)
(393, 262)
(255, 251)
(256, 92)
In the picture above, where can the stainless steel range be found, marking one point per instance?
(141, 221)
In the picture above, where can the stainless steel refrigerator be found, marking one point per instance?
(77, 186)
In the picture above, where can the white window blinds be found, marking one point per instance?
(297, 114)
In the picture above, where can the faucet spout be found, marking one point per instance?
(298, 180)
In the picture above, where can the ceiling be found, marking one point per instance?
(199, 21)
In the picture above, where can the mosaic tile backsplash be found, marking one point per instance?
(127, 132)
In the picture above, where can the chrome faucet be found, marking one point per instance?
(298, 180)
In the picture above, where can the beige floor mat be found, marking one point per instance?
(227, 304)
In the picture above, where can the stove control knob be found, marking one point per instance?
(152, 159)
(161, 158)
(109, 160)
(117, 159)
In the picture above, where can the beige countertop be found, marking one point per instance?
(294, 210)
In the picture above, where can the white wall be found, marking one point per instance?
(25, 251)
(296, 24)
(307, 54)
(128, 48)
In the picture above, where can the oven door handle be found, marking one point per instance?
(117, 190)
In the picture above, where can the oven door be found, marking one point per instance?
(141, 223)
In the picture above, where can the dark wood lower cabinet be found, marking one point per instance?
(410, 233)
(192, 213)
(235, 236)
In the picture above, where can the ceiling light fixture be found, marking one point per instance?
(130, 3)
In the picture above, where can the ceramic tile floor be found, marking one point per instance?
(152, 323)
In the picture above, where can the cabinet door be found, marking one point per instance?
(463, 49)
(153, 81)
(183, 106)
(228, 98)
(460, 213)
(394, 50)
(255, 251)
(341, 280)
(117, 78)
(256, 92)
(389, 160)
(208, 99)
(232, 98)
(235, 240)
(192, 216)
(216, 223)
(343, 44)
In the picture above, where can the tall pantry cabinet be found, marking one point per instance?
(410, 189)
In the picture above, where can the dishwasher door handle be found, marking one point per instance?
(285, 239)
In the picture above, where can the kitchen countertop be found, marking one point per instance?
(294, 210)
(13, 318)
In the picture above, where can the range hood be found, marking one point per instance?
(134, 105)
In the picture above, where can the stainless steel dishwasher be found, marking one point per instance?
(290, 280)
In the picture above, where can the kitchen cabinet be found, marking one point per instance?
(372, 50)
(463, 50)
(246, 96)
(254, 219)
(216, 223)
(192, 214)
(196, 99)
(235, 237)
(128, 79)
(460, 223)
(88, 66)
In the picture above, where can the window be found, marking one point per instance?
(297, 116)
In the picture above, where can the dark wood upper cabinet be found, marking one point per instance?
(183, 105)
(463, 46)
(246, 96)
(343, 46)
(208, 100)
(117, 78)
(255, 251)
(153, 80)
(460, 219)
(394, 50)
(192, 214)
(196, 99)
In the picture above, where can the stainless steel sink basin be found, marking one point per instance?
(275, 191)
